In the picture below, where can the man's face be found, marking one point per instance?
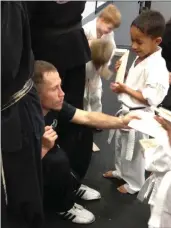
(50, 92)
(104, 27)
(142, 44)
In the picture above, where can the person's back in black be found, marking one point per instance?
(22, 121)
(166, 53)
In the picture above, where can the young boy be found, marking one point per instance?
(102, 28)
(101, 51)
(146, 84)
(157, 187)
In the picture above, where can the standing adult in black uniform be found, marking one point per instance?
(58, 37)
(22, 122)
(166, 53)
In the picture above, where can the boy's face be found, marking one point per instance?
(142, 44)
(50, 92)
(104, 27)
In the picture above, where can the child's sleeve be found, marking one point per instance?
(156, 86)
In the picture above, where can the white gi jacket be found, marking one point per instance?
(157, 161)
(151, 77)
(157, 187)
(161, 211)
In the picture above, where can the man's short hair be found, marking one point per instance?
(101, 51)
(151, 23)
(111, 14)
(41, 67)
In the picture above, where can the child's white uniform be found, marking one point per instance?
(157, 187)
(161, 211)
(93, 87)
(151, 78)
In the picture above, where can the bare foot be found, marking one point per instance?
(108, 174)
(122, 189)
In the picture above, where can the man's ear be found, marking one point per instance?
(158, 40)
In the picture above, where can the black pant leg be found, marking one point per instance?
(77, 142)
(58, 184)
(73, 84)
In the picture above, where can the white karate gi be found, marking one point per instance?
(157, 187)
(151, 78)
(93, 87)
(161, 211)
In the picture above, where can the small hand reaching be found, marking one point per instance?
(118, 87)
(166, 125)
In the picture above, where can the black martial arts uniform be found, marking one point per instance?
(166, 53)
(22, 121)
(58, 37)
(60, 183)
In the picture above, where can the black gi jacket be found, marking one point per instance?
(166, 53)
(49, 22)
(22, 123)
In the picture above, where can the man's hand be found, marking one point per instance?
(118, 87)
(126, 119)
(166, 125)
(48, 140)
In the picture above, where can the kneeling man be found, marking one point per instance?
(61, 184)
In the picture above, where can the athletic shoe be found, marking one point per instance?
(78, 214)
(86, 193)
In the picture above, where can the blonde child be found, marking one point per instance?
(101, 51)
(101, 28)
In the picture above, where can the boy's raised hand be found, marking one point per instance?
(118, 87)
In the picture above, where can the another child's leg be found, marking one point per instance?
(96, 97)
(118, 147)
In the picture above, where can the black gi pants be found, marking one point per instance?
(59, 184)
(76, 140)
(22, 130)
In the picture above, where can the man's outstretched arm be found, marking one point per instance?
(100, 120)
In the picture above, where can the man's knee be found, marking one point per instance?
(56, 161)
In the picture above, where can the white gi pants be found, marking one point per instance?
(131, 171)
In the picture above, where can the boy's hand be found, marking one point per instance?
(48, 140)
(118, 87)
(117, 65)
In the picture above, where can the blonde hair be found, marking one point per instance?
(101, 52)
(111, 14)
